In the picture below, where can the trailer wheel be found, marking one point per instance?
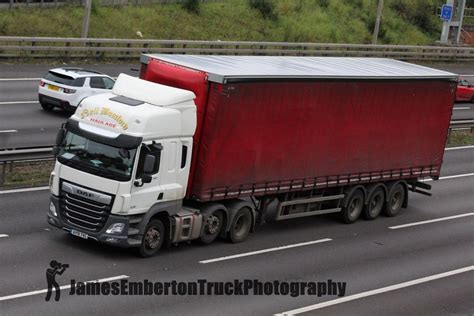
(47, 107)
(374, 204)
(395, 200)
(212, 227)
(152, 239)
(352, 210)
(240, 228)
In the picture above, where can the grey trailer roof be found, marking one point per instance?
(229, 68)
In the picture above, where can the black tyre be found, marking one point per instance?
(374, 204)
(212, 227)
(352, 210)
(394, 204)
(240, 228)
(152, 239)
(47, 107)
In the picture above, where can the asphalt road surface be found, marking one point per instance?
(421, 269)
(24, 124)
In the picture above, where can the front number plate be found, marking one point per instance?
(79, 234)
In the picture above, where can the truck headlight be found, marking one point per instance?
(115, 228)
(52, 209)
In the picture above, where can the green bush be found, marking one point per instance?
(192, 6)
(266, 8)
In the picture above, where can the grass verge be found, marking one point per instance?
(335, 21)
(460, 138)
(26, 174)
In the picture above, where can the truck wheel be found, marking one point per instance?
(152, 238)
(395, 200)
(353, 208)
(374, 204)
(212, 227)
(240, 228)
(47, 107)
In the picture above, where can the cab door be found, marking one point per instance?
(144, 195)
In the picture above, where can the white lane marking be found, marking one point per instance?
(19, 79)
(252, 253)
(10, 297)
(451, 177)
(9, 131)
(24, 190)
(431, 221)
(462, 108)
(460, 147)
(3, 235)
(377, 291)
(18, 102)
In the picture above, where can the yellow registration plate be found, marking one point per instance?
(54, 88)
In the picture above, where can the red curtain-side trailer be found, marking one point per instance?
(268, 125)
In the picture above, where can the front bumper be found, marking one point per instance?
(123, 239)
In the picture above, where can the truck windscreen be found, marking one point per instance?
(97, 158)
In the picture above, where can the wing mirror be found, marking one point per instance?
(148, 167)
(59, 140)
(149, 164)
(60, 136)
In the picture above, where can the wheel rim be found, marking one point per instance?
(213, 224)
(240, 226)
(375, 205)
(355, 207)
(396, 200)
(152, 238)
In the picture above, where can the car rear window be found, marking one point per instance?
(66, 80)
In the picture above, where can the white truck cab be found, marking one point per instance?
(120, 155)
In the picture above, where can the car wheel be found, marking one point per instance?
(374, 204)
(352, 210)
(152, 238)
(47, 107)
(212, 227)
(395, 200)
(240, 228)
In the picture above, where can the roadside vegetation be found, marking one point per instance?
(26, 174)
(325, 21)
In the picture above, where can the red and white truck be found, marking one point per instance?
(200, 146)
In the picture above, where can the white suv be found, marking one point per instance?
(67, 87)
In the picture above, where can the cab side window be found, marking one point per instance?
(151, 150)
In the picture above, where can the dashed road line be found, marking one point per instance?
(252, 253)
(17, 102)
(431, 221)
(24, 190)
(377, 291)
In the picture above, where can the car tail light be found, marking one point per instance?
(69, 91)
(42, 83)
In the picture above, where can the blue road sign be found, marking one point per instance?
(446, 12)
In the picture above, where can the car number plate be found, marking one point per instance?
(79, 234)
(54, 88)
